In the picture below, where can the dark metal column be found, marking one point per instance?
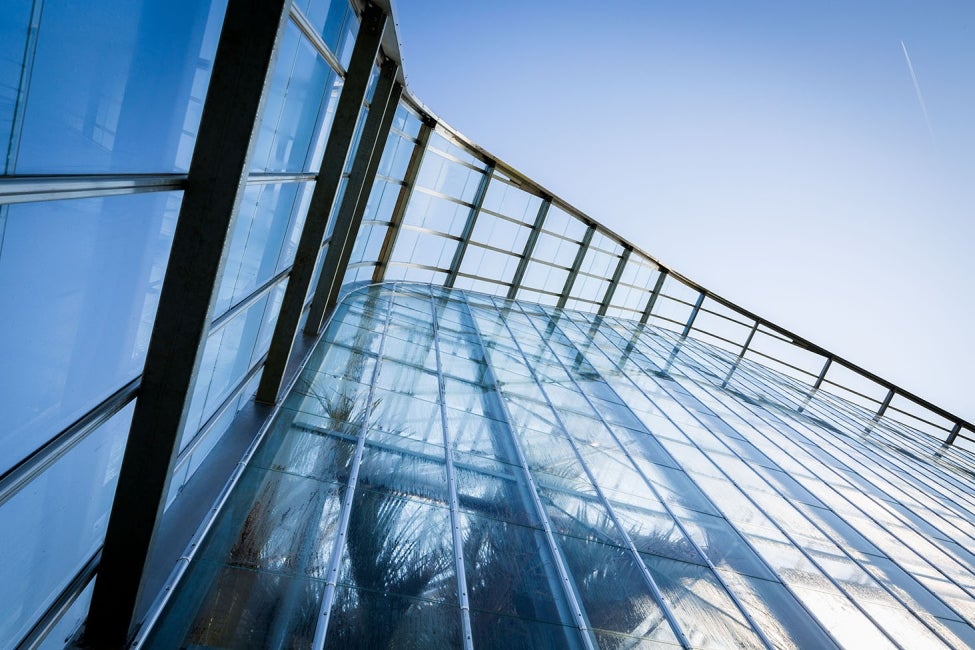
(402, 201)
(653, 296)
(241, 75)
(529, 247)
(366, 47)
(465, 236)
(614, 282)
(741, 355)
(693, 316)
(576, 265)
(348, 219)
(819, 382)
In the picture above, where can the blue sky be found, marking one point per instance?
(777, 152)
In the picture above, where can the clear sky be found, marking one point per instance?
(811, 161)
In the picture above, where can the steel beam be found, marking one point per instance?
(954, 434)
(31, 189)
(529, 247)
(348, 219)
(614, 282)
(819, 382)
(402, 201)
(465, 235)
(690, 319)
(654, 294)
(576, 265)
(741, 355)
(373, 24)
(245, 58)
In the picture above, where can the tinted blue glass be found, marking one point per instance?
(269, 221)
(298, 110)
(336, 22)
(53, 525)
(79, 285)
(115, 85)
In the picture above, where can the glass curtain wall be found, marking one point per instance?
(458, 470)
(105, 94)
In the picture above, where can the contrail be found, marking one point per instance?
(917, 89)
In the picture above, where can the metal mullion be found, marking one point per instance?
(614, 282)
(402, 201)
(309, 32)
(465, 236)
(204, 430)
(454, 159)
(248, 301)
(456, 533)
(23, 84)
(32, 189)
(36, 637)
(748, 497)
(817, 384)
(373, 25)
(264, 178)
(841, 463)
(348, 219)
(568, 587)
(950, 440)
(852, 452)
(21, 474)
(693, 316)
(628, 541)
(653, 489)
(529, 247)
(576, 265)
(242, 70)
(332, 574)
(654, 294)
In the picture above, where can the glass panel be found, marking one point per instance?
(53, 525)
(113, 86)
(79, 285)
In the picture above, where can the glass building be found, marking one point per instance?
(286, 361)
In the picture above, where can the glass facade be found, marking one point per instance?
(454, 469)
(618, 458)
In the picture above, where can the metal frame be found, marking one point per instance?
(620, 529)
(465, 236)
(764, 416)
(654, 294)
(567, 584)
(576, 265)
(690, 319)
(529, 247)
(403, 200)
(241, 76)
(348, 219)
(372, 26)
(615, 281)
(457, 535)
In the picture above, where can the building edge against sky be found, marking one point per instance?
(159, 277)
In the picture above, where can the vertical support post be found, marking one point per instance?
(653, 296)
(576, 265)
(690, 319)
(371, 28)
(348, 220)
(465, 236)
(402, 201)
(529, 247)
(819, 382)
(617, 274)
(953, 435)
(883, 407)
(741, 355)
(215, 186)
